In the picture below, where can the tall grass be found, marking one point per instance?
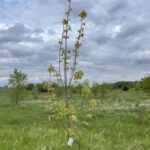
(113, 127)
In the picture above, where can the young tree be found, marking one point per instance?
(95, 89)
(17, 82)
(35, 92)
(103, 88)
(137, 86)
(67, 71)
(145, 84)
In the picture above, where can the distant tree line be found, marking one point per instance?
(20, 87)
(143, 84)
(95, 88)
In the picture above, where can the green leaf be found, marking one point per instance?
(83, 14)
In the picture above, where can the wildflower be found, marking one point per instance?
(49, 118)
(73, 119)
(93, 103)
(71, 109)
(89, 116)
(85, 123)
(55, 131)
(62, 110)
(85, 90)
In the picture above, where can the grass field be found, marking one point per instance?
(116, 124)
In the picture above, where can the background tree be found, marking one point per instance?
(95, 89)
(145, 84)
(76, 89)
(35, 92)
(29, 86)
(103, 88)
(137, 86)
(17, 82)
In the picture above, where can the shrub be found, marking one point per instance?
(29, 86)
(125, 88)
(145, 84)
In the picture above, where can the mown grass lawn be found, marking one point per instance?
(115, 125)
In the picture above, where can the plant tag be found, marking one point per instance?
(70, 141)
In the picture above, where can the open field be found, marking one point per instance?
(74, 75)
(115, 125)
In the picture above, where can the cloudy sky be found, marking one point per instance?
(116, 44)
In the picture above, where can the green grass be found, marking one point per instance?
(114, 126)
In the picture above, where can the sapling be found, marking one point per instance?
(67, 71)
(145, 84)
(35, 92)
(95, 89)
(103, 89)
(17, 82)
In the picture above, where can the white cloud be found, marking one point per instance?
(116, 30)
(3, 26)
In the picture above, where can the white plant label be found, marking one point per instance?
(70, 141)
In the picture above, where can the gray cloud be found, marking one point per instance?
(118, 6)
(134, 30)
(18, 33)
(115, 47)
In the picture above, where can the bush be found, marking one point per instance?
(125, 88)
(29, 86)
(96, 89)
(35, 92)
(123, 84)
(41, 88)
(145, 84)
